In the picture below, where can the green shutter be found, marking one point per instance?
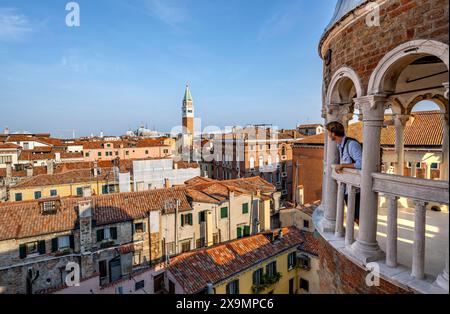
(239, 232)
(246, 231)
(113, 232)
(245, 208)
(224, 212)
(191, 219)
(182, 220)
(100, 235)
(54, 244)
(41, 247)
(22, 251)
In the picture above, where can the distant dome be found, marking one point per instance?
(130, 133)
(343, 7)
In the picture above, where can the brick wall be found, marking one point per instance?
(338, 275)
(308, 170)
(361, 47)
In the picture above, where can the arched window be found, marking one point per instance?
(252, 162)
(283, 150)
(261, 161)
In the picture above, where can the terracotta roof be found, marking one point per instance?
(307, 126)
(9, 146)
(424, 129)
(68, 177)
(45, 153)
(24, 219)
(194, 270)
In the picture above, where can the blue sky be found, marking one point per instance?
(247, 61)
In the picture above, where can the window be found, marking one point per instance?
(63, 242)
(170, 248)
(246, 231)
(291, 286)
(291, 260)
(186, 246)
(87, 154)
(257, 277)
(271, 269)
(139, 285)
(5, 159)
(139, 227)
(37, 195)
(166, 151)
(127, 153)
(216, 238)
(252, 163)
(304, 284)
(283, 151)
(99, 154)
(245, 208)
(18, 197)
(107, 234)
(233, 287)
(239, 232)
(261, 161)
(304, 261)
(103, 269)
(117, 153)
(224, 212)
(306, 224)
(434, 166)
(108, 145)
(186, 219)
(79, 191)
(53, 192)
(200, 243)
(202, 217)
(146, 152)
(31, 248)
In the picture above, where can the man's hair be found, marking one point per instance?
(337, 128)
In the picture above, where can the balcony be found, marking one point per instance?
(415, 240)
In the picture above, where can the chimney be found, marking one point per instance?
(95, 169)
(175, 166)
(29, 170)
(85, 222)
(167, 183)
(8, 170)
(49, 166)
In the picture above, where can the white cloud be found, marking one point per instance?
(170, 12)
(14, 26)
(281, 22)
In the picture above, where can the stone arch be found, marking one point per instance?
(439, 100)
(346, 74)
(394, 62)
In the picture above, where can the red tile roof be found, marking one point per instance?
(424, 129)
(24, 219)
(194, 270)
(9, 146)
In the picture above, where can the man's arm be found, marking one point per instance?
(355, 151)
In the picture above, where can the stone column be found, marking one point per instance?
(418, 263)
(414, 169)
(400, 124)
(334, 113)
(350, 225)
(443, 279)
(428, 171)
(340, 232)
(391, 243)
(366, 246)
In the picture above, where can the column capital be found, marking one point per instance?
(446, 86)
(372, 107)
(400, 120)
(420, 204)
(391, 197)
(339, 112)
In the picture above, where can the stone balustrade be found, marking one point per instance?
(392, 187)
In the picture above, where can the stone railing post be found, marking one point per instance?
(350, 222)
(366, 247)
(418, 263)
(400, 124)
(339, 113)
(391, 243)
(340, 210)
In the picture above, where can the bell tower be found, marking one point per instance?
(188, 112)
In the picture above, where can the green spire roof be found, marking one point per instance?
(187, 94)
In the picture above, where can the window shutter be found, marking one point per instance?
(182, 220)
(144, 227)
(72, 241)
(100, 235)
(239, 232)
(200, 217)
(191, 220)
(54, 244)
(22, 251)
(41, 247)
(246, 231)
(113, 232)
